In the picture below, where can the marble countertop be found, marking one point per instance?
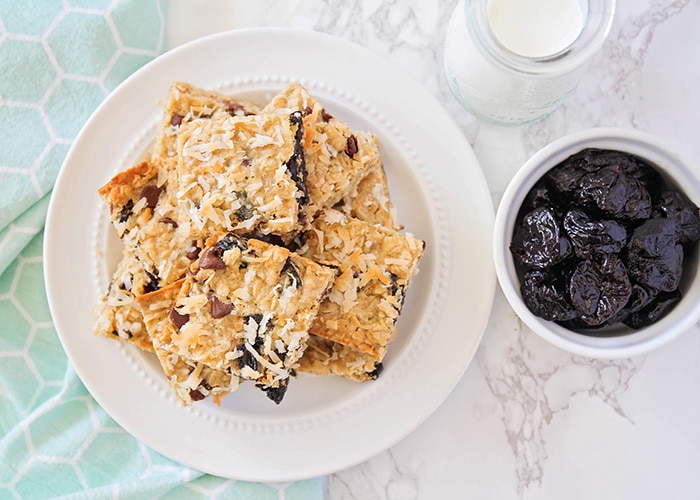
(528, 420)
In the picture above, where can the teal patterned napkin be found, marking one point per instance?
(58, 61)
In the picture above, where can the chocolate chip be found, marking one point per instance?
(151, 193)
(236, 109)
(195, 395)
(219, 309)
(211, 259)
(176, 120)
(351, 146)
(177, 318)
(168, 220)
(193, 251)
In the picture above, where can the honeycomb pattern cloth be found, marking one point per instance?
(58, 61)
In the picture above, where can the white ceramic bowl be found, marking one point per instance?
(621, 341)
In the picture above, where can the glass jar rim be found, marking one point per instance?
(598, 21)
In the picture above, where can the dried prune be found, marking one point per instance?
(296, 165)
(153, 282)
(126, 211)
(640, 297)
(231, 241)
(676, 206)
(654, 257)
(289, 275)
(545, 295)
(653, 312)
(590, 237)
(378, 369)
(276, 394)
(272, 239)
(538, 241)
(245, 209)
(599, 289)
(609, 186)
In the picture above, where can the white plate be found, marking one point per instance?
(324, 424)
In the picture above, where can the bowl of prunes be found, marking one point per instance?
(596, 243)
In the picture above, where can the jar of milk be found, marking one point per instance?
(514, 61)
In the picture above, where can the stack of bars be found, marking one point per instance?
(257, 242)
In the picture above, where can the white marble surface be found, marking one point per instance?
(529, 420)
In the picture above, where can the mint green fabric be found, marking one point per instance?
(58, 61)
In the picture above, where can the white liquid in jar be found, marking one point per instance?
(535, 28)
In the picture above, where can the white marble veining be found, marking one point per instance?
(529, 420)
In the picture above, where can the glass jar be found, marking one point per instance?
(513, 62)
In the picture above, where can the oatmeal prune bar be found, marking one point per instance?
(370, 200)
(337, 158)
(146, 217)
(241, 174)
(144, 214)
(325, 357)
(375, 266)
(190, 380)
(246, 309)
(185, 103)
(118, 314)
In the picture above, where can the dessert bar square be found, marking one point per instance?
(336, 157)
(118, 314)
(370, 200)
(325, 357)
(184, 103)
(147, 219)
(375, 266)
(246, 309)
(191, 380)
(241, 174)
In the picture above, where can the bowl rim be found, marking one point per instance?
(671, 165)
